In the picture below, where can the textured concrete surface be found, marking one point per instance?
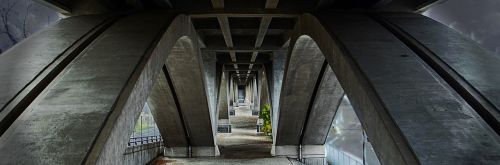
(191, 92)
(263, 90)
(279, 60)
(326, 102)
(477, 66)
(223, 109)
(30, 65)
(410, 115)
(164, 109)
(209, 67)
(62, 126)
(301, 74)
(88, 113)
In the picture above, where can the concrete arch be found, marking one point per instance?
(191, 92)
(180, 105)
(86, 115)
(394, 93)
(309, 98)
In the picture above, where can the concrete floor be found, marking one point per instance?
(243, 146)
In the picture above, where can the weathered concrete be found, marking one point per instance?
(223, 100)
(301, 73)
(28, 67)
(162, 104)
(209, 66)
(279, 60)
(87, 114)
(478, 67)
(327, 100)
(409, 113)
(236, 94)
(191, 93)
(224, 124)
(263, 90)
(255, 94)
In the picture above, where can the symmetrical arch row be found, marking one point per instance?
(424, 94)
(412, 111)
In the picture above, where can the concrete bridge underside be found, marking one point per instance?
(71, 94)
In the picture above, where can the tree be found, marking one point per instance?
(5, 15)
(14, 25)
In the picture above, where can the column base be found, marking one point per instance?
(182, 152)
(224, 126)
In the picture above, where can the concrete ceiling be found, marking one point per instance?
(243, 34)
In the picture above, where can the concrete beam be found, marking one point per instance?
(89, 111)
(246, 13)
(191, 92)
(410, 114)
(243, 49)
(457, 61)
(163, 105)
(299, 81)
(328, 98)
(31, 65)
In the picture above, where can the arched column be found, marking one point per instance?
(410, 113)
(86, 115)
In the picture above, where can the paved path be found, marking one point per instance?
(243, 146)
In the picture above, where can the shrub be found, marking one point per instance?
(265, 115)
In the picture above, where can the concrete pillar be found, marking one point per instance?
(399, 99)
(162, 103)
(326, 101)
(192, 98)
(89, 111)
(224, 124)
(302, 74)
(279, 60)
(231, 91)
(236, 94)
(209, 66)
(248, 94)
(263, 92)
(255, 94)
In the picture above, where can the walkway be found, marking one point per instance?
(243, 146)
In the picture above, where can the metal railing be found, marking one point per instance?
(342, 158)
(135, 141)
(137, 144)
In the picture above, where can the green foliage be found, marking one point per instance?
(265, 114)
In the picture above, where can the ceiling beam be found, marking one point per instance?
(218, 3)
(264, 25)
(245, 13)
(226, 32)
(224, 27)
(241, 70)
(243, 49)
(234, 31)
(246, 63)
